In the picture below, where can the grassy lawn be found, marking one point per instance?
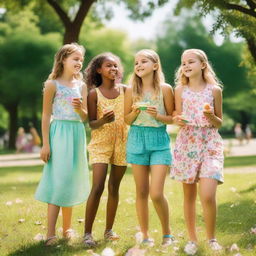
(236, 216)
(238, 161)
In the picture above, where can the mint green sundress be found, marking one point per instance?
(65, 179)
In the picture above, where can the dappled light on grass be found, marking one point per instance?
(235, 225)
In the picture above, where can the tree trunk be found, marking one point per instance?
(71, 34)
(72, 28)
(251, 42)
(13, 118)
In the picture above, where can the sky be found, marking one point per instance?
(141, 29)
(149, 28)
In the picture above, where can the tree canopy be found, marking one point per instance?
(231, 15)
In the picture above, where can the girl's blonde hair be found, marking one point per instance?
(208, 74)
(158, 76)
(64, 52)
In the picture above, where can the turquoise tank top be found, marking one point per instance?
(145, 119)
(62, 108)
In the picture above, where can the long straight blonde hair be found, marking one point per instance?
(64, 52)
(208, 73)
(158, 76)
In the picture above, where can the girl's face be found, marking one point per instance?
(109, 68)
(191, 65)
(144, 66)
(74, 62)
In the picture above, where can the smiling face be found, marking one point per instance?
(191, 65)
(73, 63)
(144, 66)
(109, 68)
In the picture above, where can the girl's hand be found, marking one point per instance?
(77, 104)
(108, 116)
(178, 120)
(209, 114)
(135, 109)
(152, 111)
(45, 153)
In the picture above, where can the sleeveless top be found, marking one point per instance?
(62, 108)
(145, 119)
(193, 105)
(118, 126)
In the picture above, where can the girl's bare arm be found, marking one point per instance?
(130, 111)
(168, 104)
(215, 116)
(49, 92)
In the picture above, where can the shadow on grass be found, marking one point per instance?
(250, 189)
(60, 249)
(238, 218)
(39, 249)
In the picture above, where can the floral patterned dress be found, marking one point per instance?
(198, 151)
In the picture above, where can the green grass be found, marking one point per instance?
(238, 161)
(236, 216)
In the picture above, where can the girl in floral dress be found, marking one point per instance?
(198, 153)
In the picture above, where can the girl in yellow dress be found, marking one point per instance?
(108, 139)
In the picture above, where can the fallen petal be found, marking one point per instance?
(80, 220)
(18, 201)
(176, 248)
(234, 247)
(107, 252)
(253, 231)
(233, 189)
(38, 237)
(8, 203)
(136, 252)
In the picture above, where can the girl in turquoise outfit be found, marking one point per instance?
(149, 104)
(65, 179)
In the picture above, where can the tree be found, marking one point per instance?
(25, 61)
(237, 15)
(72, 13)
(189, 32)
(108, 40)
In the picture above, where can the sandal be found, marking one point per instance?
(191, 248)
(168, 240)
(111, 235)
(50, 241)
(149, 242)
(214, 245)
(69, 234)
(88, 240)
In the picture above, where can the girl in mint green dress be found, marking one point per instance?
(65, 179)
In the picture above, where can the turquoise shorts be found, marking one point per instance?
(148, 146)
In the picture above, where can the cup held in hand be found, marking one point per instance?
(142, 105)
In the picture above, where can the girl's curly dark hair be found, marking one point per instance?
(92, 77)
